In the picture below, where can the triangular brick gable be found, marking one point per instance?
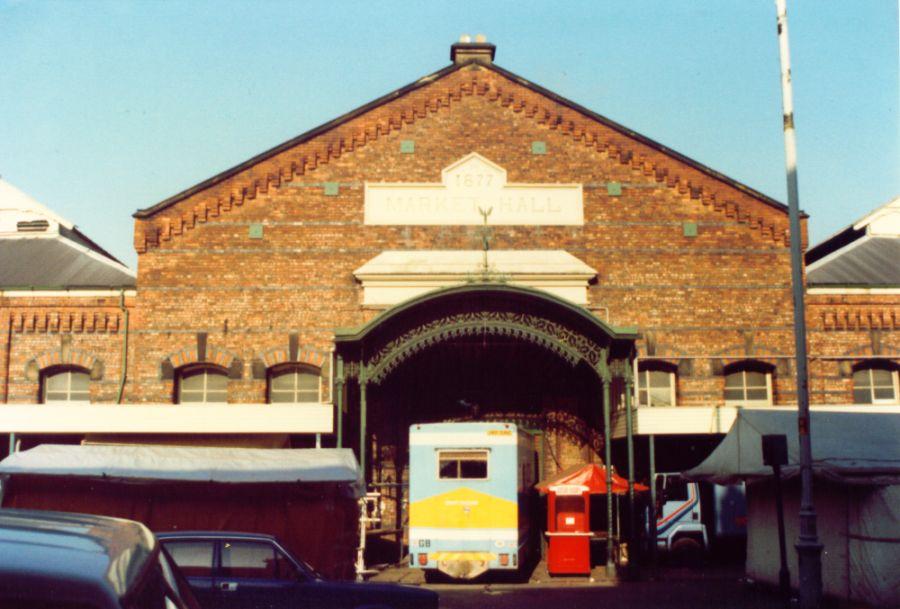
(297, 157)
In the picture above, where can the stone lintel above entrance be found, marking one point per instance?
(395, 276)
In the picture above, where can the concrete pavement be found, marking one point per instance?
(672, 588)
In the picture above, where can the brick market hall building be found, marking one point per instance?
(470, 246)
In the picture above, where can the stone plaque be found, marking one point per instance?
(470, 184)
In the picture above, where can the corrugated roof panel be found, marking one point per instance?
(55, 263)
(874, 262)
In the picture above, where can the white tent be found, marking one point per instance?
(856, 494)
(189, 463)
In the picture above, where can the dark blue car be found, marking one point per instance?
(79, 561)
(252, 571)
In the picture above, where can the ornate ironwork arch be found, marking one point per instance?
(571, 346)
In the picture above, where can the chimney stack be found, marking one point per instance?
(465, 51)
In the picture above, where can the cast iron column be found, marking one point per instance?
(362, 420)
(339, 401)
(652, 518)
(629, 437)
(607, 446)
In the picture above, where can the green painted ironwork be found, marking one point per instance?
(614, 189)
(538, 147)
(572, 333)
(651, 451)
(569, 345)
(339, 401)
(349, 335)
(689, 229)
(407, 146)
(607, 449)
(362, 421)
(629, 437)
(331, 189)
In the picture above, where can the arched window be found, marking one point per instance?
(61, 385)
(201, 384)
(294, 383)
(748, 384)
(656, 384)
(875, 383)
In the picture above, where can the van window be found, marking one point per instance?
(676, 489)
(463, 464)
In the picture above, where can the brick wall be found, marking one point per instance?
(846, 330)
(41, 332)
(721, 296)
(723, 293)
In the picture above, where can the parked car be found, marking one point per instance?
(249, 570)
(80, 561)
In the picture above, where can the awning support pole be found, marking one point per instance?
(362, 420)
(607, 446)
(339, 401)
(652, 453)
(629, 433)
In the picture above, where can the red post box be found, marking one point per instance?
(568, 529)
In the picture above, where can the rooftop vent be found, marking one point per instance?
(465, 51)
(32, 226)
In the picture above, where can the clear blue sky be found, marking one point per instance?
(108, 107)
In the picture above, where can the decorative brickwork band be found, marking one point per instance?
(64, 357)
(178, 215)
(859, 318)
(192, 355)
(41, 321)
(304, 355)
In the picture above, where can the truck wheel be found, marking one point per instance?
(687, 551)
(433, 576)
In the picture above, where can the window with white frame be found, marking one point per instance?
(875, 384)
(462, 464)
(63, 385)
(656, 386)
(293, 384)
(748, 385)
(202, 385)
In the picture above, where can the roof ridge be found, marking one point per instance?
(628, 147)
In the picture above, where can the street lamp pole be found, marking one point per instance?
(809, 550)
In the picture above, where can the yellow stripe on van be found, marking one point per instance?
(464, 508)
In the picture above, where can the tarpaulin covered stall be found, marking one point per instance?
(308, 498)
(592, 476)
(856, 464)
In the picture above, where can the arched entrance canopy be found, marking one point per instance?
(374, 350)
(370, 353)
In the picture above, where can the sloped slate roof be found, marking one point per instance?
(57, 263)
(873, 262)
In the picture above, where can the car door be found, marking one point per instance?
(254, 574)
(196, 558)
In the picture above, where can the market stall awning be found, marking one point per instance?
(592, 476)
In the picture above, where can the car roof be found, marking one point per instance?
(214, 535)
(76, 557)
